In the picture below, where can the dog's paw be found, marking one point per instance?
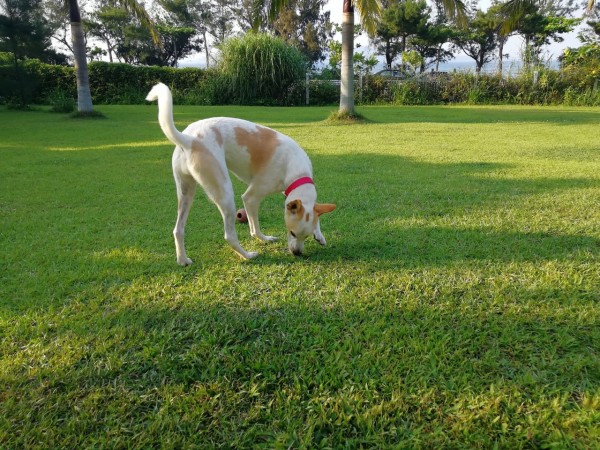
(321, 240)
(184, 262)
(250, 255)
(265, 238)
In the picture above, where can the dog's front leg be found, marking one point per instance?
(228, 213)
(318, 235)
(252, 206)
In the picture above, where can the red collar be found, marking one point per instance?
(299, 182)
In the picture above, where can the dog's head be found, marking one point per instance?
(302, 221)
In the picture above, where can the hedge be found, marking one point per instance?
(125, 84)
(110, 83)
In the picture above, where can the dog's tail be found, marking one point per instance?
(162, 93)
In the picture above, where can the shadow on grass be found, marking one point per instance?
(213, 370)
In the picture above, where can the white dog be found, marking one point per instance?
(266, 160)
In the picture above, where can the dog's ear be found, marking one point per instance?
(295, 207)
(323, 208)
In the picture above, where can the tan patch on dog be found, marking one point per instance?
(218, 136)
(307, 218)
(206, 165)
(296, 207)
(295, 213)
(261, 145)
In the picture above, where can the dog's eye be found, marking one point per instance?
(293, 234)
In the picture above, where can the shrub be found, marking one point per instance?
(260, 69)
(61, 102)
(323, 93)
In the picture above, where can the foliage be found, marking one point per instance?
(259, 69)
(304, 24)
(538, 29)
(455, 306)
(413, 59)
(24, 33)
(363, 64)
(399, 21)
(61, 102)
(582, 65)
(479, 39)
(429, 43)
(213, 18)
(132, 43)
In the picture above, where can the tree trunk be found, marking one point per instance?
(206, 51)
(501, 50)
(347, 75)
(388, 54)
(84, 96)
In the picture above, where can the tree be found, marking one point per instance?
(479, 39)
(303, 24)
(108, 24)
(214, 18)
(23, 33)
(591, 33)
(429, 44)
(177, 42)
(84, 95)
(400, 20)
(363, 64)
(369, 11)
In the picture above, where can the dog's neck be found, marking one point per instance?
(298, 183)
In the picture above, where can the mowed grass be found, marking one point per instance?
(457, 304)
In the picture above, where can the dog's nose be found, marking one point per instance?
(297, 252)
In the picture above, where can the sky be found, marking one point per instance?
(513, 46)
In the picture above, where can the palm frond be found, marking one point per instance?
(275, 7)
(591, 4)
(513, 11)
(142, 15)
(456, 10)
(369, 12)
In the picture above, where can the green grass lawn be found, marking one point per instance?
(456, 305)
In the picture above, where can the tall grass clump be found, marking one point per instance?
(260, 69)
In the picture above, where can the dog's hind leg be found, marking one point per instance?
(252, 200)
(186, 188)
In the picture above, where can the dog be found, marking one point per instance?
(266, 160)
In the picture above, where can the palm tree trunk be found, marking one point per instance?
(347, 75)
(206, 51)
(84, 96)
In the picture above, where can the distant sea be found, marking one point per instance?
(509, 67)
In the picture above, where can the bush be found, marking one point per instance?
(61, 102)
(323, 93)
(260, 69)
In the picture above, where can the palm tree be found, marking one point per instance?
(514, 10)
(84, 95)
(369, 11)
